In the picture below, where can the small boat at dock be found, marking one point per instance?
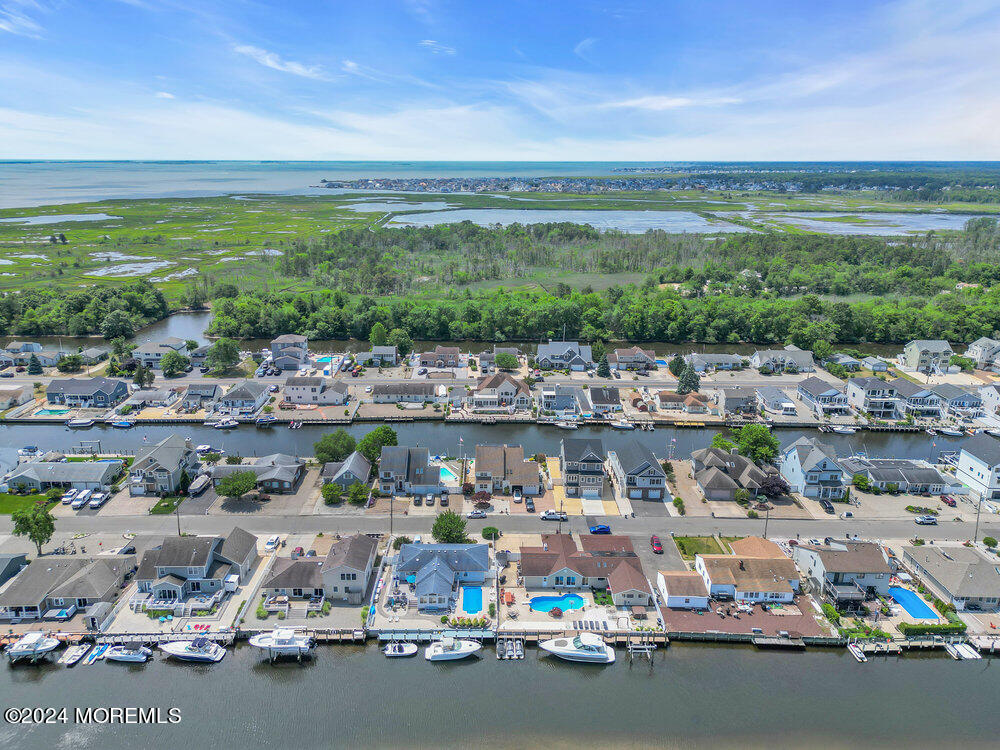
(122, 424)
(96, 654)
(199, 650)
(950, 431)
(80, 422)
(394, 650)
(622, 425)
(73, 654)
(136, 653)
(226, 424)
(283, 642)
(265, 420)
(843, 430)
(32, 646)
(586, 647)
(564, 424)
(450, 649)
(857, 652)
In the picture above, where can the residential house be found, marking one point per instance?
(442, 356)
(682, 589)
(581, 462)
(873, 396)
(500, 391)
(153, 398)
(355, 469)
(42, 475)
(669, 401)
(959, 402)
(413, 393)
(928, 356)
(774, 401)
(23, 347)
(695, 403)
(561, 399)
(502, 469)
(903, 474)
(11, 564)
(822, 397)
(379, 356)
(564, 355)
(706, 362)
(93, 354)
(990, 394)
(983, 352)
(979, 466)
(295, 578)
(45, 357)
(248, 397)
(199, 355)
(151, 353)
(739, 400)
(811, 469)
(961, 576)
(201, 396)
(407, 471)
(875, 364)
(290, 351)
(57, 583)
(438, 571)
(160, 469)
(185, 566)
(88, 393)
(918, 401)
(487, 360)
(605, 400)
(342, 575)
(632, 358)
(600, 562)
(720, 474)
(11, 397)
(315, 390)
(277, 473)
(749, 579)
(849, 363)
(845, 572)
(789, 359)
(636, 472)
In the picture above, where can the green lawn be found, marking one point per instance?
(689, 546)
(9, 503)
(166, 506)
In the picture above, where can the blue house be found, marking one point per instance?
(437, 572)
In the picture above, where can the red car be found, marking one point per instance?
(654, 542)
(949, 501)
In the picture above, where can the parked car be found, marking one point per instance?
(429, 500)
(298, 552)
(949, 501)
(68, 497)
(517, 496)
(272, 543)
(847, 514)
(272, 388)
(368, 389)
(203, 369)
(529, 505)
(6, 374)
(444, 500)
(422, 371)
(926, 520)
(417, 500)
(827, 506)
(600, 528)
(311, 553)
(476, 514)
(554, 515)
(654, 542)
(98, 499)
(82, 498)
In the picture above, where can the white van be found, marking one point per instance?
(81, 499)
(68, 497)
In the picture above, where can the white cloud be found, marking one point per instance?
(661, 103)
(164, 95)
(583, 47)
(273, 60)
(436, 48)
(14, 18)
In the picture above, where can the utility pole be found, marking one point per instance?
(979, 507)
(177, 512)
(767, 517)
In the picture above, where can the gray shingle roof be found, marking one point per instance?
(984, 447)
(352, 552)
(635, 457)
(575, 449)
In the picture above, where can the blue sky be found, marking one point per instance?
(476, 79)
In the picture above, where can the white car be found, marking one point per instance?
(476, 514)
(68, 497)
(368, 389)
(272, 543)
(847, 514)
(98, 499)
(517, 496)
(554, 515)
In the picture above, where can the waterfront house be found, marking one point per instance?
(600, 562)
(737, 401)
(564, 355)
(632, 358)
(875, 364)
(605, 400)
(918, 401)
(984, 353)
(93, 354)
(959, 402)
(11, 397)
(342, 575)
(500, 391)
(201, 396)
(487, 360)
(185, 566)
(789, 359)
(442, 356)
(845, 572)
(379, 356)
(355, 469)
(961, 576)
(990, 394)
(245, 398)
(45, 357)
(295, 578)
(315, 390)
(277, 473)
(749, 579)
(436, 572)
(849, 363)
(720, 474)
(636, 472)
(42, 475)
(159, 470)
(930, 356)
(88, 393)
(872, 396)
(199, 355)
(773, 400)
(706, 362)
(978, 466)
(150, 354)
(581, 462)
(412, 393)
(682, 589)
(822, 397)
(811, 469)
(57, 586)
(290, 351)
(564, 400)
(903, 474)
(23, 347)
(154, 398)
(503, 469)
(669, 401)
(11, 564)
(407, 471)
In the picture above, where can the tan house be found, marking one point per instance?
(500, 391)
(503, 469)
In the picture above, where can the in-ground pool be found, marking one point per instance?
(912, 603)
(51, 412)
(448, 475)
(662, 362)
(324, 359)
(564, 602)
(472, 599)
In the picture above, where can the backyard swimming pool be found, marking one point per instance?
(913, 604)
(53, 411)
(472, 599)
(564, 602)
(448, 475)
(324, 359)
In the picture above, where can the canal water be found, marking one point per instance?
(691, 697)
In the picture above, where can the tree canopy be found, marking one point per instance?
(449, 528)
(756, 442)
(371, 444)
(334, 446)
(237, 484)
(36, 523)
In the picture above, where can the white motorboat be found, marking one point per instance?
(200, 649)
(449, 649)
(33, 646)
(135, 653)
(950, 431)
(80, 422)
(564, 424)
(204, 447)
(994, 433)
(622, 425)
(226, 424)
(73, 654)
(843, 430)
(283, 642)
(400, 649)
(586, 647)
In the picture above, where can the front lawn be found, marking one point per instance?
(689, 546)
(9, 503)
(166, 505)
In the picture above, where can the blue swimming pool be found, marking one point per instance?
(472, 599)
(448, 475)
(662, 362)
(913, 604)
(564, 602)
(324, 359)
